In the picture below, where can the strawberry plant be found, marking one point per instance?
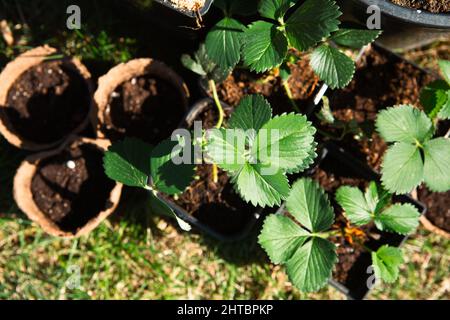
(258, 150)
(137, 164)
(436, 96)
(210, 72)
(302, 241)
(264, 44)
(415, 156)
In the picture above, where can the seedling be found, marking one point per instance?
(213, 74)
(436, 96)
(302, 240)
(416, 156)
(209, 71)
(265, 43)
(258, 150)
(137, 164)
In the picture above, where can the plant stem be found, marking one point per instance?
(290, 96)
(329, 234)
(212, 86)
(447, 135)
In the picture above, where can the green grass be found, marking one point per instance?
(136, 255)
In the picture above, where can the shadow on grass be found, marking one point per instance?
(135, 210)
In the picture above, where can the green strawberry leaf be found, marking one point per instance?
(386, 261)
(265, 47)
(402, 168)
(334, 67)
(274, 9)
(399, 218)
(309, 160)
(445, 110)
(128, 162)
(224, 42)
(309, 259)
(252, 113)
(355, 38)
(285, 142)
(309, 204)
(313, 21)
(160, 207)
(311, 265)
(355, 205)
(226, 148)
(436, 169)
(168, 177)
(193, 65)
(280, 237)
(444, 65)
(261, 189)
(404, 123)
(434, 97)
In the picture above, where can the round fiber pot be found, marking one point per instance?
(66, 191)
(142, 98)
(44, 99)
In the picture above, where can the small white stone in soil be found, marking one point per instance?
(49, 71)
(71, 164)
(115, 95)
(419, 11)
(133, 81)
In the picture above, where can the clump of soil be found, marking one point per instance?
(380, 81)
(71, 187)
(215, 204)
(438, 205)
(145, 107)
(48, 101)
(241, 82)
(435, 6)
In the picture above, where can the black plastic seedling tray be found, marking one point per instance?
(191, 14)
(356, 285)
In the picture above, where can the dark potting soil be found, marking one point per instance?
(72, 197)
(380, 81)
(215, 204)
(145, 107)
(48, 101)
(438, 205)
(435, 6)
(303, 82)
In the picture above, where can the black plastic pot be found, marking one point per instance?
(197, 109)
(191, 14)
(356, 285)
(404, 28)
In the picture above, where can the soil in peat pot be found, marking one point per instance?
(48, 102)
(435, 6)
(146, 107)
(303, 82)
(71, 187)
(380, 81)
(438, 205)
(215, 204)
